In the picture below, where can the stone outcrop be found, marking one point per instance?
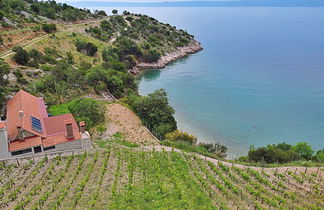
(168, 58)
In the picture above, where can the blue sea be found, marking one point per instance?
(259, 79)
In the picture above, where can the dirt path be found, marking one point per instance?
(72, 28)
(26, 44)
(122, 119)
(299, 169)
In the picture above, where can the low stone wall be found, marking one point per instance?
(20, 160)
(60, 149)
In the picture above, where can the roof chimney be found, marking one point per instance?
(82, 126)
(20, 134)
(20, 114)
(69, 129)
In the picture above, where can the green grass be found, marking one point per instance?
(188, 147)
(117, 138)
(60, 109)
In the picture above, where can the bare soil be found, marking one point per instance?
(122, 119)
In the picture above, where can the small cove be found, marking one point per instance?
(259, 79)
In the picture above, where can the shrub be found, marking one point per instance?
(155, 111)
(37, 57)
(129, 18)
(49, 27)
(87, 48)
(151, 56)
(88, 110)
(21, 56)
(304, 150)
(181, 136)
(319, 157)
(216, 148)
(101, 129)
(102, 13)
(281, 153)
(5, 25)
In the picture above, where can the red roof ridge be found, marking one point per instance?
(53, 128)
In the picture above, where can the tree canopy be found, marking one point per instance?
(155, 111)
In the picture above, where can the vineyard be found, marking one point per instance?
(128, 178)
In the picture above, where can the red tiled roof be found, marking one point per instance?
(2, 125)
(31, 106)
(56, 130)
(26, 143)
(56, 124)
(53, 128)
(59, 139)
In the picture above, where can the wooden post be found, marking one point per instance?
(306, 170)
(17, 161)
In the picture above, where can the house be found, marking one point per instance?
(29, 130)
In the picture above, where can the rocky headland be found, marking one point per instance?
(181, 52)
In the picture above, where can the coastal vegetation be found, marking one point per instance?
(138, 38)
(155, 112)
(283, 153)
(21, 12)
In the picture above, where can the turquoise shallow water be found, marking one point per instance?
(259, 79)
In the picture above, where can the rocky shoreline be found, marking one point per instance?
(168, 58)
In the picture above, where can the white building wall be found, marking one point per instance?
(4, 150)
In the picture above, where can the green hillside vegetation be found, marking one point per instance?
(138, 38)
(21, 12)
(122, 176)
(68, 62)
(283, 153)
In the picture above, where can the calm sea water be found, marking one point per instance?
(259, 79)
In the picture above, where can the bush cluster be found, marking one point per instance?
(155, 112)
(49, 27)
(283, 153)
(139, 38)
(34, 57)
(88, 110)
(181, 136)
(87, 48)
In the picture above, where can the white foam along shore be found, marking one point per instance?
(181, 52)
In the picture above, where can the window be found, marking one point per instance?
(37, 149)
(36, 125)
(20, 152)
(49, 148)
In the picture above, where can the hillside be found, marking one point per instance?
(118, 177)
(92, 53)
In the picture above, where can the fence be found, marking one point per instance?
(153, 133)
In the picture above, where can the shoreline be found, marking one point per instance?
(181, 52)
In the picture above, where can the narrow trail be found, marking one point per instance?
(71, 28)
